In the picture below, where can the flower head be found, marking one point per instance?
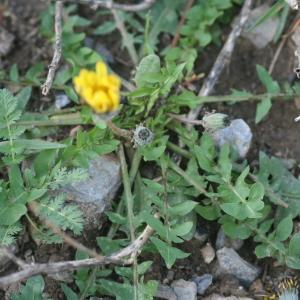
(98, 88)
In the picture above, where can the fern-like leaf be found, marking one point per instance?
(63, 215)
(62, 177)
(8, 234)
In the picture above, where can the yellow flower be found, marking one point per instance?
(99, 89)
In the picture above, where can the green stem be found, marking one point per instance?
(235, 98)
(135, 164)
(179, 150)
(188, 178)
(130, 214)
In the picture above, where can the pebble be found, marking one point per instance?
(224, 241)
(6, 41)
(165, 292)
(94, 194)
(229, 262)
(203, 283)
(185, 290)
(208, 253)
(61, 101)
(264, 33)
(238, 134)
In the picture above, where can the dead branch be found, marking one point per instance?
(57, 49)
(52, 268)
(111, 5)
(223, 57)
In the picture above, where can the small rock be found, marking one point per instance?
(94, 194)
(185, 290)
(231, 263)
(61, 101)
(6, 41)
(238, 135)
(261, 35)
(165, 292)
(5, 262)
(203, 282)
(219, 297)
(224, 241)
(208, 253)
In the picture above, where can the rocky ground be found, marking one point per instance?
(218, 268)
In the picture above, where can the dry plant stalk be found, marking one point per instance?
(116, 258)
(112, 5)
(57, 49)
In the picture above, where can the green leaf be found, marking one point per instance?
(23, 97)
(209, 213)
(14, 73)
(108, 246)
(182, 209)
(8, 234)
(284, 228)
(34, 73)
(105, 28)
(265, 78)
(169, 253)
(294, 245)
(262, 109)
(70, 92)
(10, 213)
(262, 251)
(69, 293)
(32, 291)
(149, 64)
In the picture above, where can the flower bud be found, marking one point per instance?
(215, 121)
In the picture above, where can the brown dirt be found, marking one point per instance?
(277, 134)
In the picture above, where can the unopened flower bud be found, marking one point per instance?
(215, 121)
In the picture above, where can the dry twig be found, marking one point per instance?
(57, 49)
(52, 268)
(223, 57)
(111, 5)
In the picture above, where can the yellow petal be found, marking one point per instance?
(101, 69)
(114, 80)
(115, 99)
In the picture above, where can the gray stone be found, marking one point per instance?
(264, 33)
(238, 135)
(224, 241)
(203, 283)
(185, 290)
(61, 101)
(6, 41)
(5, 262)
(229, 262)
(165, 292)
(95, 193)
